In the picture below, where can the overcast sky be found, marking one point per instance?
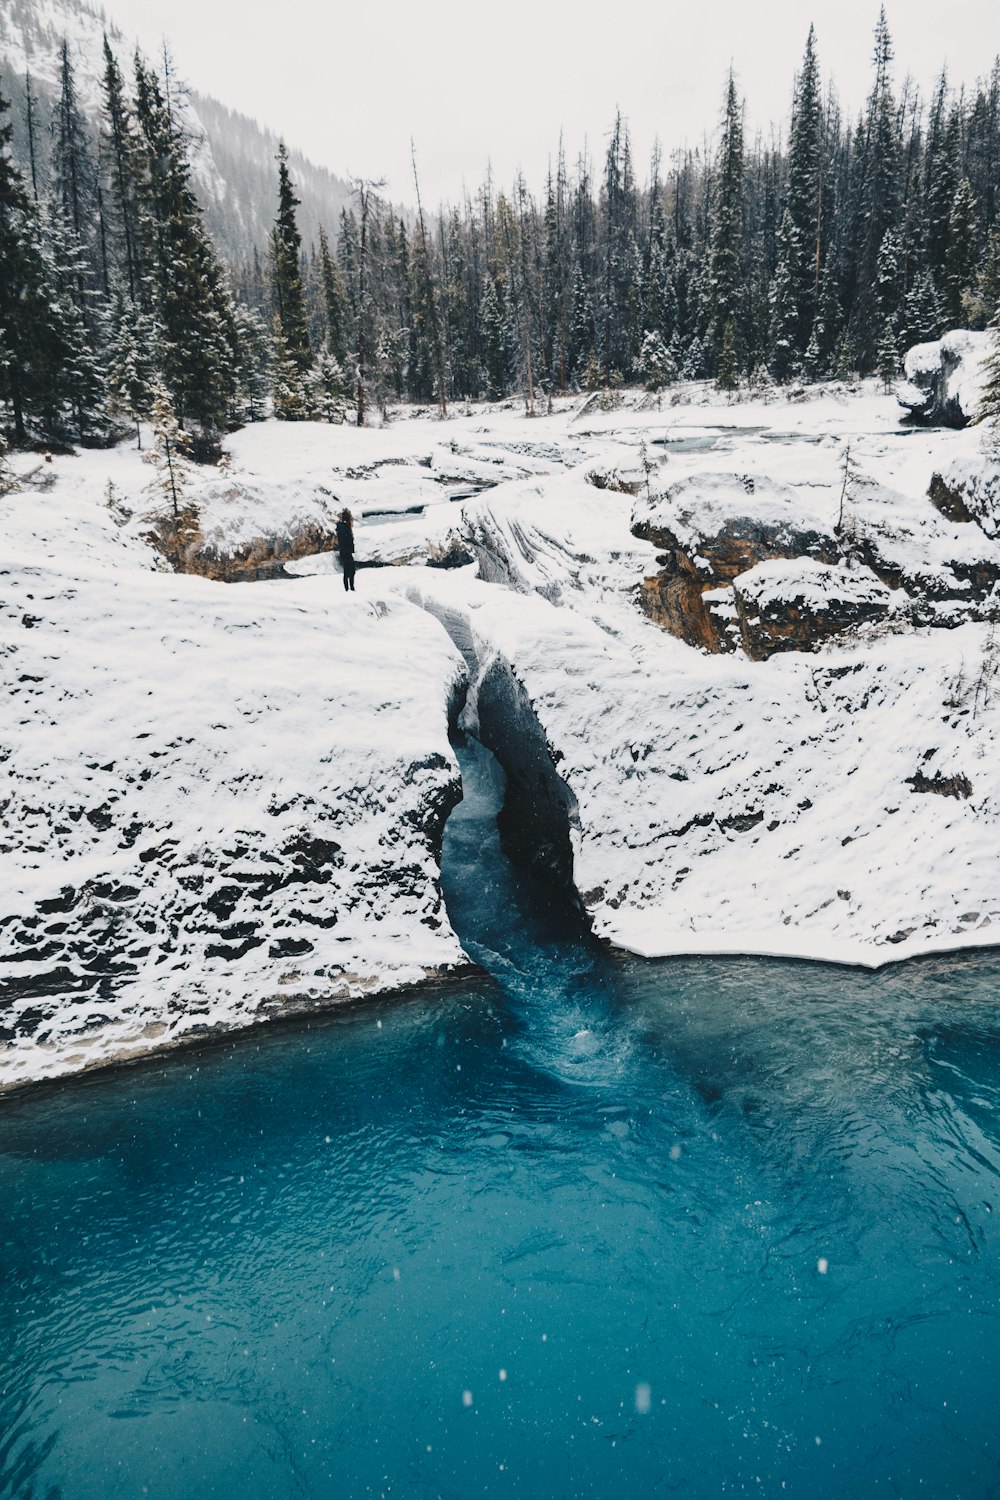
(349, 83)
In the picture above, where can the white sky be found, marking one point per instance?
(348, 83)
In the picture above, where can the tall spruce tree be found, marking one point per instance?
(723, 293)
(803, 236)
(286, 271)
(190, 297)
(876, 194)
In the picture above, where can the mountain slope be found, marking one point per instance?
(235, 172)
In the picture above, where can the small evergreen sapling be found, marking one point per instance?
(170, 452)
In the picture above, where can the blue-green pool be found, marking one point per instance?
(589, 1228)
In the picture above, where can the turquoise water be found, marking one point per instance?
(588, 1228)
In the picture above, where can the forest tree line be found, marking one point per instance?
(827, 255)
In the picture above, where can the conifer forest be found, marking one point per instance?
(823, 250)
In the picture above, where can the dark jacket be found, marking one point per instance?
(345, 538)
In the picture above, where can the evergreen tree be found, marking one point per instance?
(120, 150)
(656, 363)
(190, 298)
(727, 376)
(170, 453)
(876, 197)
(253, 367)
(784, 304)
(802, 231)
(962, 255)
(491, 322)
(286, 272)
(8, 479)
(334, 300)
(989, 404)
(288, 384)
(887, 354)
(73, 175)
(20, 282)
(922, 316)
(132, 374)
(723, 293)
(327, 388)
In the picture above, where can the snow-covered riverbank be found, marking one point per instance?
(224, 802)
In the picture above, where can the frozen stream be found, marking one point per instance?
(588, 1228)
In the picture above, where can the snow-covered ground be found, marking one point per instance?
(223, 801)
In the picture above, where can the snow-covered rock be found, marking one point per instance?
(944, 378)
(911, 545)
(710, 527)
(968, 489)
(799, 604)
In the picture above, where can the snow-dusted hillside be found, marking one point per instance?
(233, 157)
(222, 801)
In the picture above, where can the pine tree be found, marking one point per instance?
(989, 404)
(334, 300)
(20, 281)
(253, 367)
(327, 388)
(922, 315)
(784, 305)
(73, 175)
(189, 295)
(940, 178)
(491, 321)
(9, 482)
(887, 355)
(120, 149)
(876, 196)
(288, 389)
(286, 274)
(132, 374)
(170, 453)
(427, 317)
(979, 307)
(727, 376)
(803, 235)
(725, 283)
(656, 363)
(962, 254)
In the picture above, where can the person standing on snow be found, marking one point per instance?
(345, 546)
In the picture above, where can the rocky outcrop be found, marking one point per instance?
(912, 545)
(944, 379)
(799, 605)
(709, 529)
(222, 806)
(968, 489)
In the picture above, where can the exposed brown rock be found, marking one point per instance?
(709, 529)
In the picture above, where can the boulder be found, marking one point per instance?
(968, 489)
(711, 527)
(944, 379)
(799, 604)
